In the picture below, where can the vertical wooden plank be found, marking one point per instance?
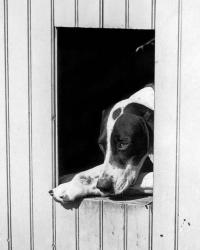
(64, 13)
(77, 229)
(3, 176)
(54, 119)
(166, 125)
(19, 134)
(114, 13)
(76, 13)
(189, 173)
(88, 13)
(104, 224)
(65, 218)
(30, 124)
(101, 13)
(153, 14)
(113, 226)
(151, 226)
(140, 12)
(41, 123)
(65, 228)
(89, 225)
(138, 227)
(100, 224)
(127, 14)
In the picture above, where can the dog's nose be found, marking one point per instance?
(51, 192)
(105, 185)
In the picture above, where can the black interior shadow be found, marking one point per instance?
(96, 68)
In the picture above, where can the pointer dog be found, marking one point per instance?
(126, 139)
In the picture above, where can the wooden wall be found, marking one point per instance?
(91, 226)
(25, 125)
(29, 219)
(105, 224)
(135, 14)
(177, 117)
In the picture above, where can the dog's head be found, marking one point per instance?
(126, 139)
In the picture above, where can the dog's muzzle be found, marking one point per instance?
(105, 185)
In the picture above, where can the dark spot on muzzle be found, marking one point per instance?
(105, 185)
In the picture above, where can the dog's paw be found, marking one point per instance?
(62, 193)
(80, 186)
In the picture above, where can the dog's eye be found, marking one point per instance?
(123, 145)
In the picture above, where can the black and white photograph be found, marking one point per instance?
(99, 124)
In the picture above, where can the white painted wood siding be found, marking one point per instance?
(82, 228)
(26, 129)
(176, 167)
(41, 122)
(19, 121)
(136, 14)
(189, 101)
(104, 224)
(26, 152)
(29, 219)
(166, 125)
(4, 154)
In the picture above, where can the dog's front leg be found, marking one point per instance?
(82, 185)
(144, 184)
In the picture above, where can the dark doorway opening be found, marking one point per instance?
(96, 69)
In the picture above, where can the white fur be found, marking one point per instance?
(77, 188)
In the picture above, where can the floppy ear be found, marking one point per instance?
(146, 113)
(103, 129)
(149, 118)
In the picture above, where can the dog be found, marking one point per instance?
(126, 140)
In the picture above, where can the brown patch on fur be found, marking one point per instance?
(86, 180)
(116, 113)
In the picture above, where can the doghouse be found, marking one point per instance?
(29, 33)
